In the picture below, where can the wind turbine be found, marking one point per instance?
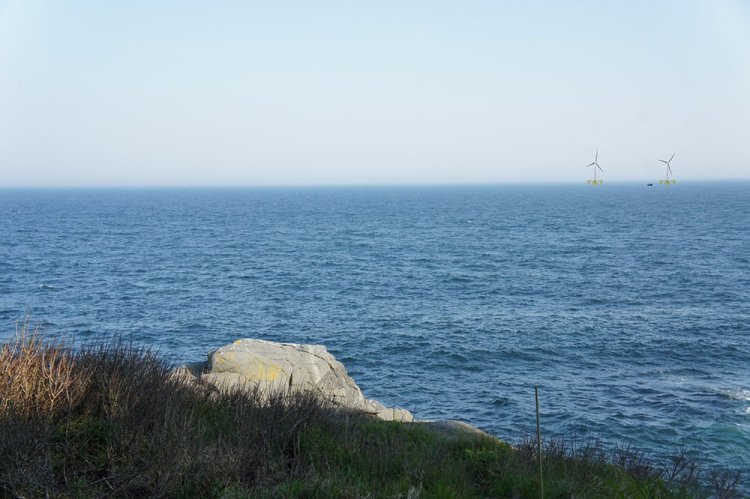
(669, 171)
(595, 164)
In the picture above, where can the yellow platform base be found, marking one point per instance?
(667, 182)
(595, 182)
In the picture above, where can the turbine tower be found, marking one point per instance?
(595, 164)
(669, 171)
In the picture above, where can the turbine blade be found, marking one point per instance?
(663, 161)
(590, 164)
(596, 158)
(670, 159)
(670, 169)
(600, 168)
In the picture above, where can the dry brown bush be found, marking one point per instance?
(112, 419)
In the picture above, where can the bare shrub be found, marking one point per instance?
(725, 484)
(39, 377)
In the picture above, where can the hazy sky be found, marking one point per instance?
(345, 92)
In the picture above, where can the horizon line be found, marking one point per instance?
(354, 185)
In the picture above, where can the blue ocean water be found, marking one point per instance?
(628, 305)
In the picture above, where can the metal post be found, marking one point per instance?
(539, 443)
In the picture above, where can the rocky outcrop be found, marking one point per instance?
(250, 363)
(453, 430)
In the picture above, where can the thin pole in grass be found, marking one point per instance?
(539, 442)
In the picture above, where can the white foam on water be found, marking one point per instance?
(735, 393)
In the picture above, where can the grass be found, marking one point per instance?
(111, 420)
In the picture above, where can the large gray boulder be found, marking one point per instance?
(250, 363)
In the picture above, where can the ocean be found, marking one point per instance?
(628, 305)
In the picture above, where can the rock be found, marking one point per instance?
(396, 414)
(189, 372)
(227, 381)
(287, 366)
(454, 430)
(251, 363)
(374, 407)
(182, 374)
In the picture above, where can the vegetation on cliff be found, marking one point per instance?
(112, 420)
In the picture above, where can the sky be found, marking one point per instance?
(187, 93)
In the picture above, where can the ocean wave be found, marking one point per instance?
(738, 394)
(50, 287)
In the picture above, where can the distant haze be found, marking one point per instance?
(334, 92)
